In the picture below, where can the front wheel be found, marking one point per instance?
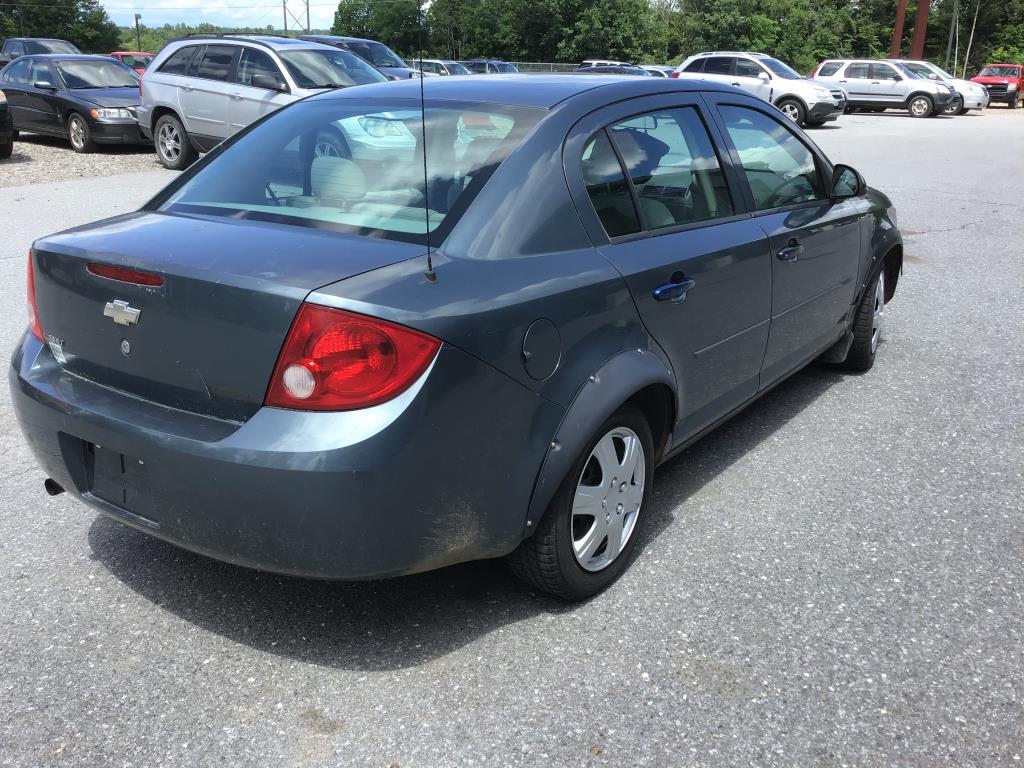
(79, 135)
(956, 107)
(867, 327)
(792, 109)
(586, 537)
(1014, 101)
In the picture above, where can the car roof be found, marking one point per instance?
(132, 53)
(752, 54)
(342, 38)
(66, 56)
(543, 91)
(53, 39)
(274, 42)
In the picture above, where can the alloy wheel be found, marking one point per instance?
(325, 148)
(76, 131)
(919, 107)
(608, 498)
(954, 107)
(169, 142)
(791, 111)
(879, 311)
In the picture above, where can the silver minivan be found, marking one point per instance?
(876, 86)
(199, 90)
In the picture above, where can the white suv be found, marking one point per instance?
(968, 95)
(876, 86)
(801, 100)
(199, 90)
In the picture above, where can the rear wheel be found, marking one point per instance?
(173, 147)
(792, 109)
(867, 327)
(920, 106)
(586, 537)
(79, 134)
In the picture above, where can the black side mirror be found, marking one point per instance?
(269, 82)
(897, 77)
(846, 182)
(44, 85)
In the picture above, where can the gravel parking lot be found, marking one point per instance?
(39, 159)
(833, 578)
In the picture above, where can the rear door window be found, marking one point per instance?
(779, 168)
(673, 167)
(695, 66)
(718, 65)
(608, 189)
(215, 63)
(177, 63)
(882, 72)
(18, 73)
(857, 71)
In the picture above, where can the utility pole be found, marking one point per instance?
(953, 21)
(897, 30)
(138, 34)
(970, 39)
(293, 10)
(920, 29)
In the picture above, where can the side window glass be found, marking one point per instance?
(40, 73)
(608, 189)
(747, 68)
(17, 49)
(857, 71)
(177, 63)
(216, 62)
(827, 69)
(779, 168)
(19, 73)
(674, 168)
(882, 72)
(718, 65)
(254, 62)
(695, 66)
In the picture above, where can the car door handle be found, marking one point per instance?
(791, 252)
(236, 96)
(674, 291)
(736, 84)
(186, 87)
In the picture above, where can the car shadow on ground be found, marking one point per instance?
(405, 622)
(61, 142)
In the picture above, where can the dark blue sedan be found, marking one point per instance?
(88, 99)
(354, 364)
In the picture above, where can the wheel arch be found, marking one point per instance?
(794, 97)
(159, 112)
(638, 376)
(892, 264)
(915, 94)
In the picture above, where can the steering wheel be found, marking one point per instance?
(789, 186)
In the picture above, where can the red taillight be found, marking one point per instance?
(125, 275)
(334, 360)
(674, 74)
(33, 314)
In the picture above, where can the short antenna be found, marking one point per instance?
(430, 275)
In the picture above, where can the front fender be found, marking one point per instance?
(615, 382)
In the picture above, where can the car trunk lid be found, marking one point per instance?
(206, 339)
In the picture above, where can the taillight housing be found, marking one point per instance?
(334, 360)
(675, 73)
(33, 313)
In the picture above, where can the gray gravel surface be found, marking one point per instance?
(37, 159)
(833, 578)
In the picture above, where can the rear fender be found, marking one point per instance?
(615, 382)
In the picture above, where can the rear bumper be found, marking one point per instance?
(439, 475)
(116, 132)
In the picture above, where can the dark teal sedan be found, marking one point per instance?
(363, 339)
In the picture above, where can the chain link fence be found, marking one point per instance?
(536, 66)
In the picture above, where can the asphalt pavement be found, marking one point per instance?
(834, 578)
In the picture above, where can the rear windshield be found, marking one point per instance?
(49, 46)
(322, 68)
(357, 166)
(137, 61)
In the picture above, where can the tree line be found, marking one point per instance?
(800, 32)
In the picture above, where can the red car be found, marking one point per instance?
(137, 60)
(1003, 82)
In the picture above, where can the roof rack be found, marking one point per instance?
(229, 35)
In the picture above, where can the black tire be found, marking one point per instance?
(920, 105)
(6, 150)
(173, 147)
(330, 143)
(1014, 101)
(792, 109)
(547, 560)
(79, 134)
(861, 355)
(15, 134)
(962, 111)
(956, 107)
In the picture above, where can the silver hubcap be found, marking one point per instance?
(919, 107)
(879, 311)
(608, 498)
(791, 111)
(77, 133)
(169, 142)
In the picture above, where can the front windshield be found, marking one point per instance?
(320, 68)
(909, 72)
(377, 54)
(137, 61)
(356, 165)
(998, 70)
(782, 70)
(96, 74)
(49, 46)
(455, 68)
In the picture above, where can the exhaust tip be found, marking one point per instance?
(52, 487)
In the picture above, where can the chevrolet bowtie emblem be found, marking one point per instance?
(121, 313)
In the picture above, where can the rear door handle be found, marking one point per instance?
(236, 96)
(736, 84)
(791, 252)
(674, 291)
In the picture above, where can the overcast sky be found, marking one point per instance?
(234, 13)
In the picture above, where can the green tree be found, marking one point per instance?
(83, 22)
(392, 22)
